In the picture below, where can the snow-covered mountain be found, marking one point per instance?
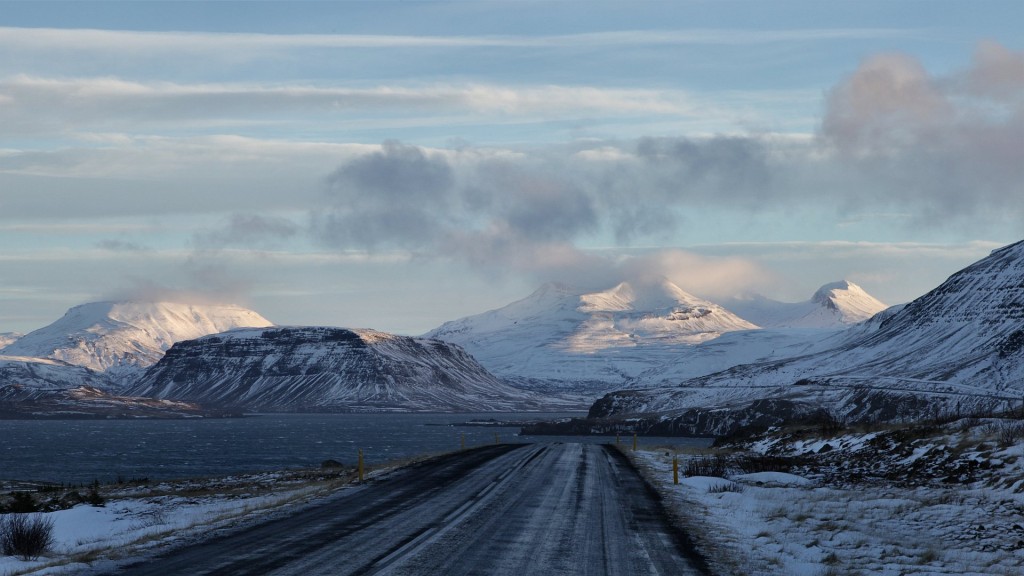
(597, 339)
(958, 347)
(121, 338)
(8, 338)
(833, 305)
(327, 369)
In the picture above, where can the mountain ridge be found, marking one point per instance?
(633, 334)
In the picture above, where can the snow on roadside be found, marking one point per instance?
(828, 517)
(140, 520)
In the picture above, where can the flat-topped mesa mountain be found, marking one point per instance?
(120, 339)
(834, 305)
(560, 337)
(958, 348)
(327, 369)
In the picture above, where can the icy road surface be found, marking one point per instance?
(508, 509)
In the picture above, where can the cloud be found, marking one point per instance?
(34, 104)
(252, 231)
(894, 140)
(244, 46)
(997, 73)
(398, 196)
(146, 290)
(525, 215)
(945, 147)
(704, 275)
(121, 246)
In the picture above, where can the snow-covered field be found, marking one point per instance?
(142, 520)
(888, 502)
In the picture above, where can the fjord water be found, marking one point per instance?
(80, 451)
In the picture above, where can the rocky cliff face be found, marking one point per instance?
(327, 369)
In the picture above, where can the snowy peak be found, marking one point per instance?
(643, 297)
(850, 301)
(834, 305)
(564, 334)
(633, 314)
(121, 337)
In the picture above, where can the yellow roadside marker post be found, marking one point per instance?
(360, 465)
(675, 469)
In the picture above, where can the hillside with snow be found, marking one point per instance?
(960, 347)
(19, 374)
(122, 338)
(329, 369)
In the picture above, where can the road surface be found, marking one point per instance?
(514, 509)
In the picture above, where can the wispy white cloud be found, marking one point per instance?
(239, 44)
(61, 104)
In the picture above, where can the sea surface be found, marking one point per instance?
(81, 451)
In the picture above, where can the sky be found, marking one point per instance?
(395, 165)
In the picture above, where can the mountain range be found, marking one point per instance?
(644, 353)
(957, 349)
(640, 334)
(94, 361)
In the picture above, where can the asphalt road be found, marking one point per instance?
(500, 510)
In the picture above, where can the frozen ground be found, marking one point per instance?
(898, 501)
(140, 520)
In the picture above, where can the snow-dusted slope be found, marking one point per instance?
(834, 305)
(120, 338)
(960, 346)
(8, 338)
(23, 373)
(600, 338)
(318, 368)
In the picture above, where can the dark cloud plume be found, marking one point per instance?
(716, 169)
(247, 231)
(397, 197)
(121, 246)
